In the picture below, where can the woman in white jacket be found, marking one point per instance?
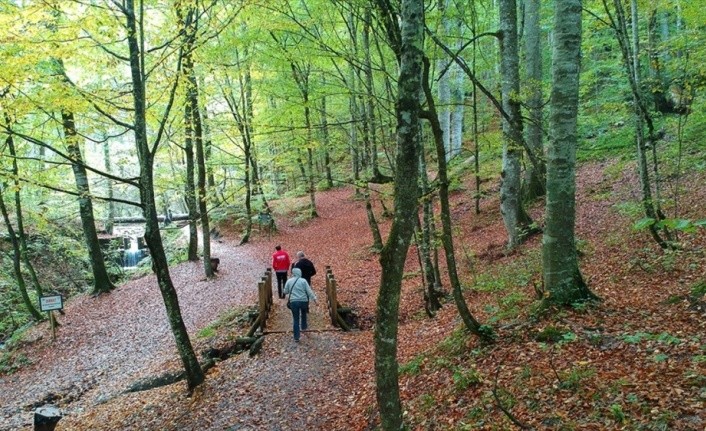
(300, 294)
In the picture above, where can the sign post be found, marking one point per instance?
(49, 303)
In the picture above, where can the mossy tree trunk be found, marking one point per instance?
(394, 253)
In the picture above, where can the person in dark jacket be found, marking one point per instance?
(306, 266)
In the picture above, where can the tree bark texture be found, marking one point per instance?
(110, 219)
(514, 216)
(372, 223)
(190, 185)
(370, 94)
(201, 173)
(562, 278)
(393, 255)
(185, 20)
(444, 86)
(427, 230)
(326, 139)
(534, 175)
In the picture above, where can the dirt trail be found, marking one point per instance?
(108, 342)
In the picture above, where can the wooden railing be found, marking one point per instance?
(264, 302)
(336, 312)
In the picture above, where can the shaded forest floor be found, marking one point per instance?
(635, 361)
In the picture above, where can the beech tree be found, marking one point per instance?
(394, 253)
(134, 22)
(563, 281)
(516, 219)
(533, 181)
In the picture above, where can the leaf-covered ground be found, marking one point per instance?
(635, 361)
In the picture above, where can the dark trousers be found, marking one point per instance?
(299, 317)
(281, 280)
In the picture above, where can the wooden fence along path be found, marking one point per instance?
(337, 313)
(280, 316)
(339, 316)
(265, 301)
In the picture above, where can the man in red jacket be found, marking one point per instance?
(280, 264)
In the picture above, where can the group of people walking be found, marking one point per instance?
(298, 286)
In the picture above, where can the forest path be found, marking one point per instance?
(108, 342)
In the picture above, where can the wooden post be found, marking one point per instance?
(262, 304)
(329, 277)
(329, 271)
(268, 274)
(334, 302)
(52, 321)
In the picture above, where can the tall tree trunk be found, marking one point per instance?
(651, 205)
(353, 103)
(192, 370)
(476, 143)
(246, 96)
(242, 112)
(185, 20)
(444, 89)
(193, 93)
(393, 255)
(21, 237)
(562, 278)
(515, 218)
(458, 107)
(457, 81)
(326, 139)
(207, 143)
(109, 223)
(310, 165)
(301, 75)
(658, 30)
(16, 258)
(370, 95)
(372, 223)
(447, 230)
(534, 175)
(16, 246)
(190, 23)
(432, 292)
(101, 279)
(189, 183)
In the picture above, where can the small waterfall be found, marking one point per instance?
(133, 254)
